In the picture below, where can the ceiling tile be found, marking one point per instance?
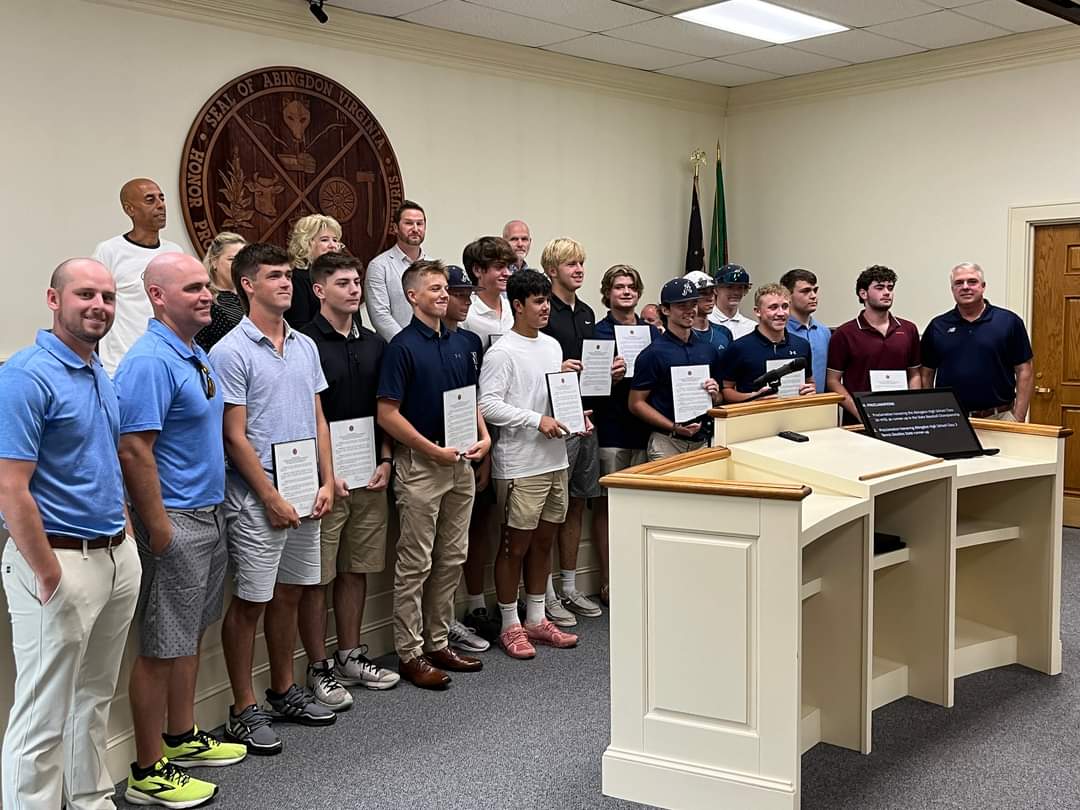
(603, 48)
(941, 29)
(860, 13)
(466, 18)
(1011, 15)
(783, 60)
(384, 8)
(687, 37)
(669, 6)
(952, 3)
(588, 15)
(716, 72)
(856, 46)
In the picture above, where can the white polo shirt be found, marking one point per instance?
(738, 324)
(485, 321)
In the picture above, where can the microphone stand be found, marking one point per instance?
(774, 387)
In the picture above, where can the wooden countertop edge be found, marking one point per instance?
(679, 462)
(705, 486)
(771, 405)
(1025, 428)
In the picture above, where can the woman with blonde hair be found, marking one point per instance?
(227, 309)
(310, 238)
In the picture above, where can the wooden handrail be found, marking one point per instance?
(1026, 428)
(705, 486)
(770, 405)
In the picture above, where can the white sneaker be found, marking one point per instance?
(557, 614)
(325, 687)
(464, 638)
(357, 670)
(580, 604)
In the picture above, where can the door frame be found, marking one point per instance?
(1020, 260)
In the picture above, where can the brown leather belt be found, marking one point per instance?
(990, 411)
(76, 544)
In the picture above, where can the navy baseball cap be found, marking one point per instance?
(679, 289)
(459, 279)
(732, 274)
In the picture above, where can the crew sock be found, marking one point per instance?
(569, 582)
(509, 615)
(475, 602)
(534, 608)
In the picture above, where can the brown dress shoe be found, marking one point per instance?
(419, 672)
(448, 658)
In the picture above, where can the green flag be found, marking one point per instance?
(718, 251)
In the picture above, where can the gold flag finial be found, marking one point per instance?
(697, 160)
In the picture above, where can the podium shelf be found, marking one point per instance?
(809, 728)
(979, 647)
(890, 682)
(891, 558)
(976, 532)
(811, 588)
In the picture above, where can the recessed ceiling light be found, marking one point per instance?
(761, 20)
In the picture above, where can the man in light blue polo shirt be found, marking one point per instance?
(70, 575)
(270, 379)
(174, 468)
(802, 286)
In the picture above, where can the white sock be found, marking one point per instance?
(475, 602)
(534, 608)
(509, 615)
(550, 593)
(569, 582)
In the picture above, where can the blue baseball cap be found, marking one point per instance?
(732, 274)
(679, 289)
(459, 279)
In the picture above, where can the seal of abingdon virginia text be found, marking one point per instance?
(280, 143)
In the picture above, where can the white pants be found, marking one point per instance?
(67, 661)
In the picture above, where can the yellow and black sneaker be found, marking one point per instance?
(201, 749)
(167, 785)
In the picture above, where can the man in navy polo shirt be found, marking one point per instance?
(433, 483)
(979, 350)
(70, 575)
(651, 398)
(746, 359)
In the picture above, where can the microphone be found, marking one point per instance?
(771, 377)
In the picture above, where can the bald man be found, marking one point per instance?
(173, 460)
(517, 234)
(70, 574)
(126, 256)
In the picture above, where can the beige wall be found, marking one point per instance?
(918, 178)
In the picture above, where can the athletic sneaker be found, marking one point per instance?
(482, 623)
(516, 643)
(465, 639)
(168, 785)
(557, 614)
(548, 634)
(357, 670)
(252, 729)
(580, 604)
(325, 687)
(202, 749)
(299, 706)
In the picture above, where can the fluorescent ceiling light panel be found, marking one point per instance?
(761, 20)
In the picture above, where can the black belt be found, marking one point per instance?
(77, 543)
(983, 414)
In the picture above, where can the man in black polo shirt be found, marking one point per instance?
(979, 350)
(747, 358)
(433, 483)
(353, 535)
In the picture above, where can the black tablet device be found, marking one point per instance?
(928, 420)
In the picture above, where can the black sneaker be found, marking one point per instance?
(299, 706)
(483, 624)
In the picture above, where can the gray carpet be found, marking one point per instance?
(527, 735)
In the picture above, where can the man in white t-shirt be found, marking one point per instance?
(528, 463)
(488, 260)
(126, 257)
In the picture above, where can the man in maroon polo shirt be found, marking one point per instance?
(874, 341)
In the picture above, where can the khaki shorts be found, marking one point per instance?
(613, 459)
(524, 502)
(353, 536)
(663, 446)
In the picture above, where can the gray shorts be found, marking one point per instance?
(261, 555)
(182, 588)
(584, 471)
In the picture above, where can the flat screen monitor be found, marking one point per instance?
(928, 420)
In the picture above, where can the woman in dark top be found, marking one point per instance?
(310, 238)
(227, 309)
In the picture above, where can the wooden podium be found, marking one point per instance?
(752, 619)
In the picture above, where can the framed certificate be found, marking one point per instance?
(631, 340)
(353, 445)
(459, 418)
(566, 400)
(296, 473)
(596, 359)
(688, 393)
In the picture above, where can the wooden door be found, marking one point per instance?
(1055, 338)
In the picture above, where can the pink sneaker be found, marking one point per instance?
(549, 634)
(516, 643)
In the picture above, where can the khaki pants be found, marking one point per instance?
(67, 661)
(434, 506)
(663, 446)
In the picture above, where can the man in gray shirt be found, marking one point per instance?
(387, 306)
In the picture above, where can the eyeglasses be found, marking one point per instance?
(209, 388)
